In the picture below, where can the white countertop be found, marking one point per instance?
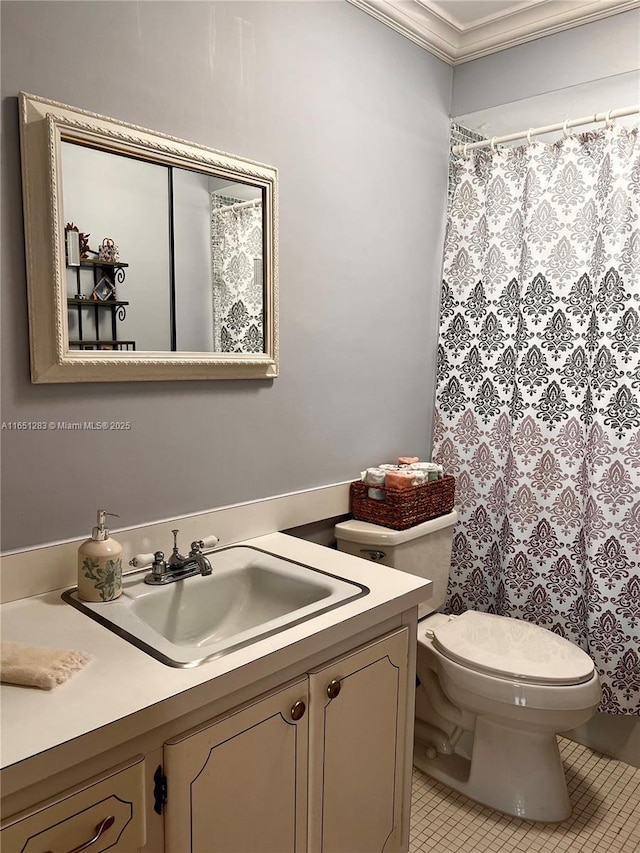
(122, 680)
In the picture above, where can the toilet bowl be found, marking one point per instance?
(519, 685)
(492, 692)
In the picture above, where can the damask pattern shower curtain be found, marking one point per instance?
(238, 297)
(538, 394)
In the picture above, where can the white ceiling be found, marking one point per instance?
(460, 30)
(463, 14)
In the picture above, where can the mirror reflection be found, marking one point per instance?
(160, 258)
(148, 257)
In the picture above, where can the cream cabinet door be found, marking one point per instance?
(239, 785)
(356, 749)
(107, 813)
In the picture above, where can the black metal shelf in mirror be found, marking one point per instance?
(102, 295)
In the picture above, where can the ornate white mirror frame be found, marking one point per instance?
(44, 125)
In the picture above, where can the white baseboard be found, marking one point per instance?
(615, 735)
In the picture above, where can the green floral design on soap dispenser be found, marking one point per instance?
(104, 577)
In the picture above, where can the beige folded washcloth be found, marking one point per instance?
(35, 666)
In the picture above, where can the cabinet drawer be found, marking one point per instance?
(106, 813)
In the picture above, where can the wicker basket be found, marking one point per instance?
(404, 508)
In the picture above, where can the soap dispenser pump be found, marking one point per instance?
(100, 564)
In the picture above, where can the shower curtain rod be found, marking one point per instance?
(536, 131)
(239, 205)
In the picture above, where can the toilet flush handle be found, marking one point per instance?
(372, 554)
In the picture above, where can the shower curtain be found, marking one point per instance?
(538, 393)
(236, 237)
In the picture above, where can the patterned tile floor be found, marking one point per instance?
(605, 795)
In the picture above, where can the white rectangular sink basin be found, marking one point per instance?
(250, 595)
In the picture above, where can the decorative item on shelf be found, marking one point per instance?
(84, 246)
(108, 252)
(104, 289)
(72, 243)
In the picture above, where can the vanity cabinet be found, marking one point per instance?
(106, 813)
(316, 765)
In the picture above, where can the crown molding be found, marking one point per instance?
(426, 24)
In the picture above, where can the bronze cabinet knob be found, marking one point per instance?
(298, 709)
(333, 689)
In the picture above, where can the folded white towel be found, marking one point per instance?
(374, 476)
(35, 666)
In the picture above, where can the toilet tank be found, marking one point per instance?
(423, 550)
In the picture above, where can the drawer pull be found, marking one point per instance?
(101, 828)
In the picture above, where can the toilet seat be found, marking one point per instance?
(509, 648)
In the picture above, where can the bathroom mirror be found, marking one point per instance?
(148, 257)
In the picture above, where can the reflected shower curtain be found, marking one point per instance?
(538, 393)
(238, 295)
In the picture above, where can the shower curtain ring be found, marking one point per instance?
(607, 120)
(529, 132)
(565, 129)
(464, 150)
(493, 143)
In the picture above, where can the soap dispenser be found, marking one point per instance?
(100, 564)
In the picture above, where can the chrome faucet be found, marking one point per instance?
(177, 567)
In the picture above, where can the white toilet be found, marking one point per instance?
(492, 691)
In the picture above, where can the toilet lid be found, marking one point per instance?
(511, 648)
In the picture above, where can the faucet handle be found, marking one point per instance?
(141, 560)
(208, 542)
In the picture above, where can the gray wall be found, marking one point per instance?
(355, 117)
(590, 52)
(193, 254)
(98, 198)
